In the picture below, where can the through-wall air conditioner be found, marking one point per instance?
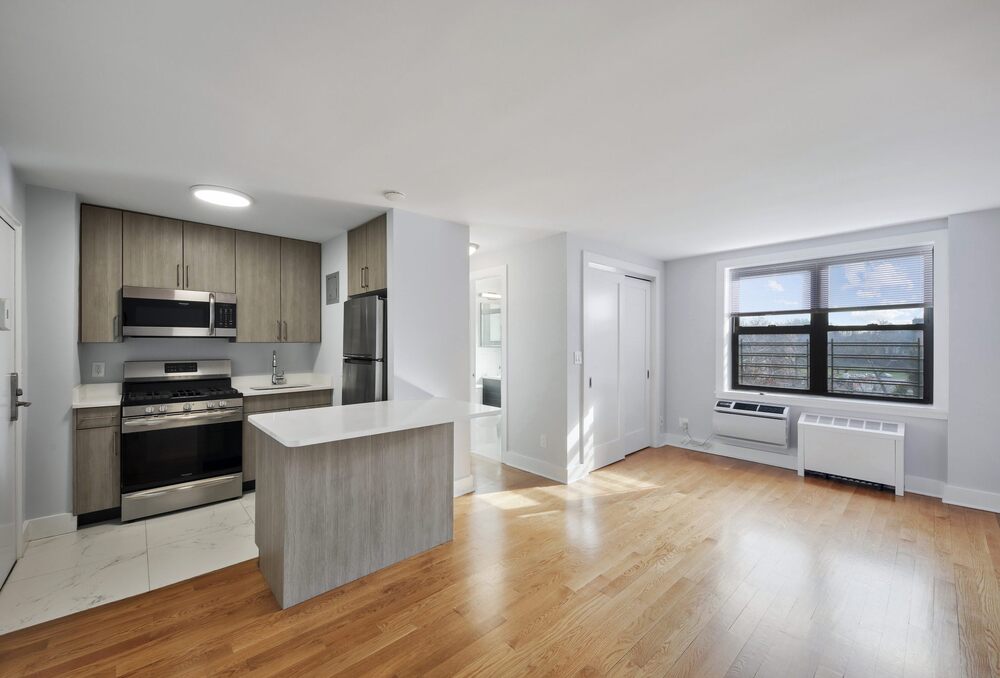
(751, 424)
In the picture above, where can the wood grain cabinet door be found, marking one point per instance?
(258, 287)
(97, 470)
(209, 258)
(301, 291)
(356, 260)
(376, 274)
(152, 251)
(100, 274)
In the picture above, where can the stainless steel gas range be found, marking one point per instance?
(182, 436)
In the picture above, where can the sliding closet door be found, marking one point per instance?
(636, 363)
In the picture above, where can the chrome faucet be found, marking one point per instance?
(277, 376)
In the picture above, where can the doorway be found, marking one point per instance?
(9, 462)
(618, 370)
(488, 313)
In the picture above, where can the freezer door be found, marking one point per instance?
(363, 381)
(363, 327)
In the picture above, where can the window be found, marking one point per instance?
(855, 326)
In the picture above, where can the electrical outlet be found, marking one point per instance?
(683, 421)
(543, 440)
(97, 369)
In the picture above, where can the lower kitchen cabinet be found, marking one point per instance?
(96, 460)
(279, 402)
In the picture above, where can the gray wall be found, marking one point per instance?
(974, 242)
(51, 261)
(691, 350)
(12, 193)
(330, 358)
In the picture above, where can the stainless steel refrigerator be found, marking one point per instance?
(365, 378)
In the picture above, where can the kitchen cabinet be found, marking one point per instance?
(209, 258)
(367, 269)
(100, 274)
(153, 251)
(96, 460)
(258, 291)
(253, 438)
(301, 291)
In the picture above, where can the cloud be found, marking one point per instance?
(775, 285)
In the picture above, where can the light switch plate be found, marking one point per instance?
(5, 314)
(97, 369)
(333, 288)
(577, 357)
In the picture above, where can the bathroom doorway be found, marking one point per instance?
(488, 299)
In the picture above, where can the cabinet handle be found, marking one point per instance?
(178, 275)
(114, 327)
(285, 322)
(279, 330)
(187, 276)
(366, 277)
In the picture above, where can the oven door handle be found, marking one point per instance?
(167, 421)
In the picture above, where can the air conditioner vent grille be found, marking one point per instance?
(891, 428)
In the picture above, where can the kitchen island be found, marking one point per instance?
(344, 491)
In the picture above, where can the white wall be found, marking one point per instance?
(12, 190)
(691, 352)
(428, 315)
(536, 353)
(330, 358)
(973, 460)
(575, 247)
(51, 267)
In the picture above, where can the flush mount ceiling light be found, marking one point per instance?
(394, 196)
(473, 248)
(220, 195)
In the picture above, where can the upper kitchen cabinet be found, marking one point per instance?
(301, 293)
(366, 257)
(100, 273)
(209, 258)
(258, 287)
(153, 251)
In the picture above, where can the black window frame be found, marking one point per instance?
(818, 331)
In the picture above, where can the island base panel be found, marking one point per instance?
(329, 514)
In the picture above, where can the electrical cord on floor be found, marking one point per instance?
(688, 440)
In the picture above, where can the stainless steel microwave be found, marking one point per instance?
(154, 312)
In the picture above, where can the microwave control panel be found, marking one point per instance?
(225, 316)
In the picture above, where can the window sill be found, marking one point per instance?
(839, 404)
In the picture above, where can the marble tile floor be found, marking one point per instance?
(95, 565)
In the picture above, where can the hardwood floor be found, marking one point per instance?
(669, 563)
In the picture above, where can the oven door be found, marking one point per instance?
(168, 449)
(153, 312)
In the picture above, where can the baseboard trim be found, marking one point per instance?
(539, 467)
(49, 526)
(970, 498)
(465, 485)
(787, 461)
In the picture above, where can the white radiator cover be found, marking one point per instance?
(752, 424)
(851, 447)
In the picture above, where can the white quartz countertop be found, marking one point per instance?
(294, 383)
(299, 428)
(97, 395)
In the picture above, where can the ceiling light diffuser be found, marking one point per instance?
(220, 195)
(394, 196)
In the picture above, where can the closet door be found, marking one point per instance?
(602, 366)
(636, 365)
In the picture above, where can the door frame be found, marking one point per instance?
(480, 274)
(19, 334)
(585, 459)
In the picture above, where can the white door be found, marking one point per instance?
(602, 420)
(635, 364)
(8, 481)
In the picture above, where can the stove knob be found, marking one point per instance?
(222, 403)
(148, 410)
(187, 407)
(210, 404)
(163, 408)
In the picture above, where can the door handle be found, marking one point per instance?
(178, 275)
(590, 382)
(15, 393)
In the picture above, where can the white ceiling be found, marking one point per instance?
(672, 128)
